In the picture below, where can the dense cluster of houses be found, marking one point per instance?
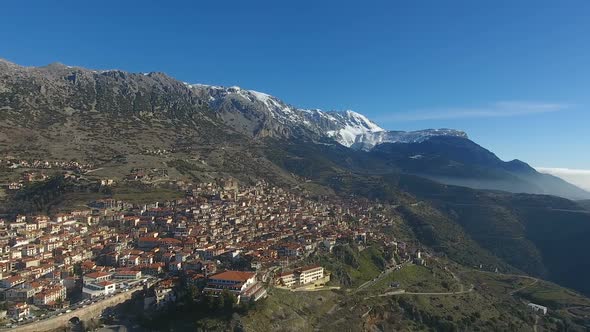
(203, 237)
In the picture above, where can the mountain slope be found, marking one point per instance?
(64, 112)
(459, 161)
(585, 204)
(120, 123)
(540, 235)
(261, 115)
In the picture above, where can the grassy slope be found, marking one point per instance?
(352, 267)
(489, 307)
(414, 278)
(291, 311)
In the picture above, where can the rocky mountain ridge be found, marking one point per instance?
(66, 112)
(348, 128)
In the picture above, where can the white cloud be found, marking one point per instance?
(498, 109)
(579, 177)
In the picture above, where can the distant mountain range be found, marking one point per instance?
(459, 161)
(99, 114)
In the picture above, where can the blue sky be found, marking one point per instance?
(514, 74)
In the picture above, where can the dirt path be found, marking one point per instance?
(332, 309)
(403, 292)
(93, 170)
(535, 281)
(444, 293)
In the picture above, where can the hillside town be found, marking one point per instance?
(222, 237)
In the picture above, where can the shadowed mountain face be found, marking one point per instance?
(585, 204)
(459, 161)
(540, 235)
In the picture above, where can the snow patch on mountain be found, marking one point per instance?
(352, 126)
(369, 140)
(348, 128)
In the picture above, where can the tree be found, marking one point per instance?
(191, 294)
(78, 269)
(229, 300)
(219, 302)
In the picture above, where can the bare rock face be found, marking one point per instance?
(66, 109)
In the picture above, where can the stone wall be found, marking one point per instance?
(84, 314)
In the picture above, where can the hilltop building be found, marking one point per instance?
(302, 276)
(242, 284)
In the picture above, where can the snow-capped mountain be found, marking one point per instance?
(352, 126)
(260, 115)
(369, 140)
(152, 111)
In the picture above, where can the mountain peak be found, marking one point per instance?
(2, 60)
(362, 120)
(350, 126)
(8, 64)
(347, 127)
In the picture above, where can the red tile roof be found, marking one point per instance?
(95, 275)
(240, 276)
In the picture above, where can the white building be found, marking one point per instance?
(301, 276)
(96, 277)
(50, 295)
(538, 308)
(310, 274)
(92, 290)
(242, 284)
